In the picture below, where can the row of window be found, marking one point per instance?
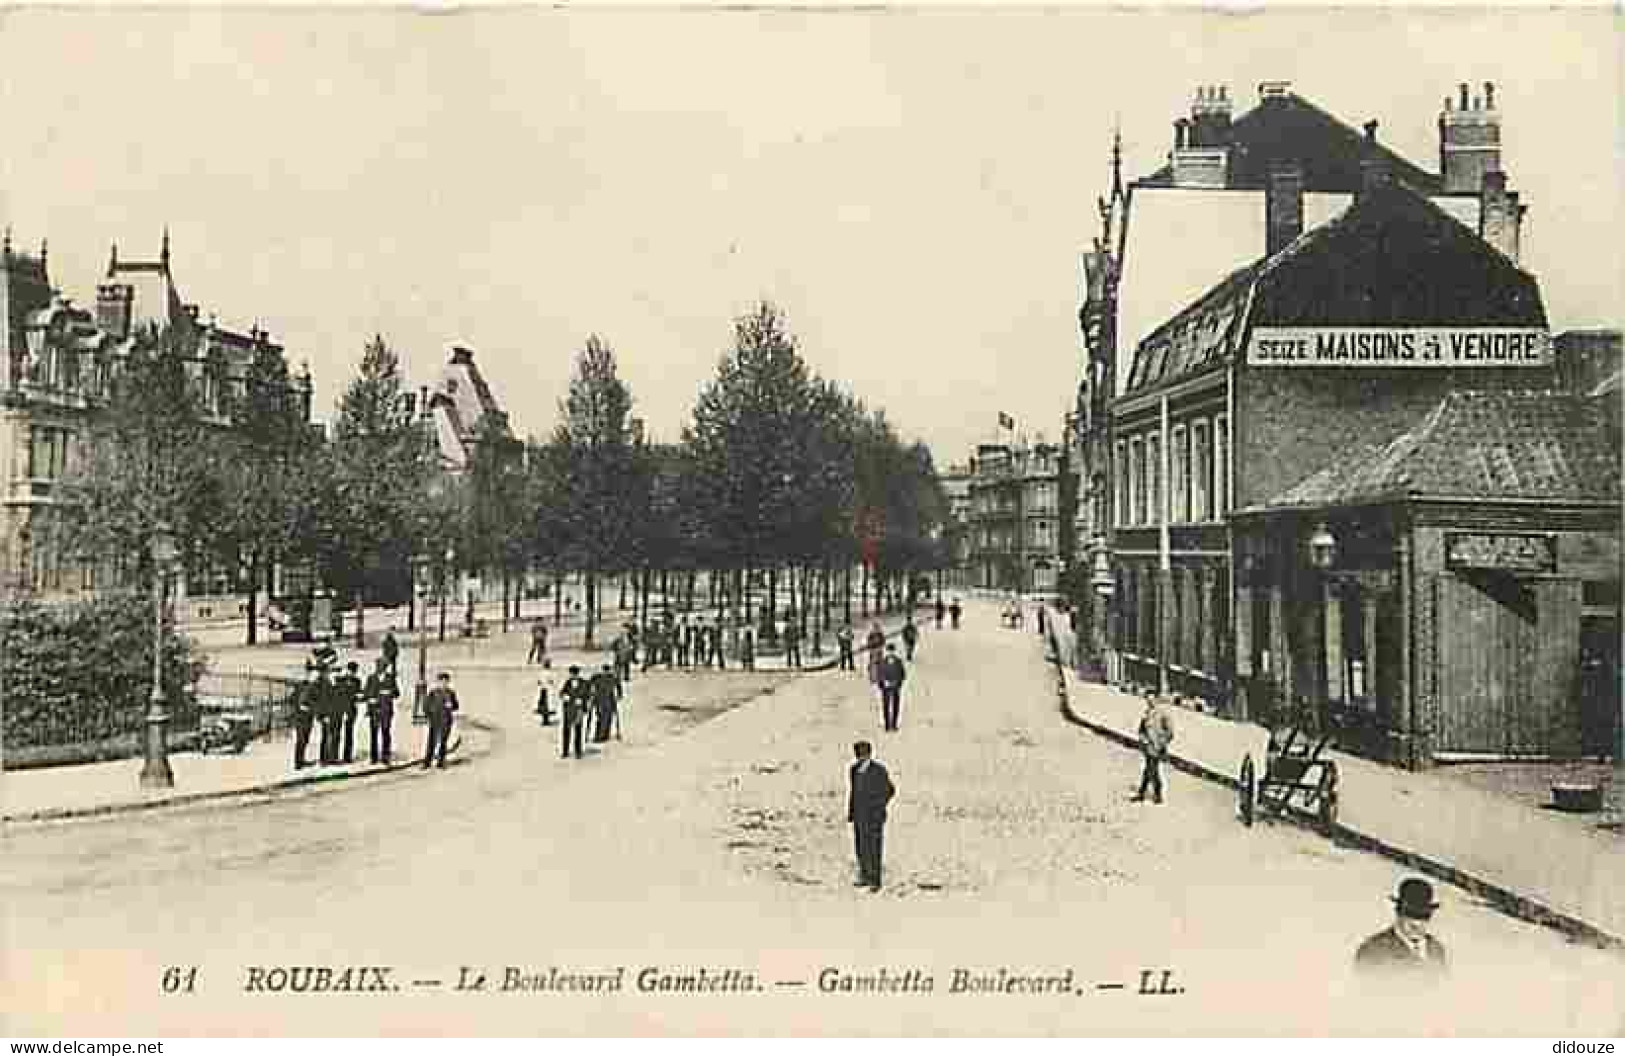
(1198, 629)
(1039, 533)
(48, 452)
(1197, 469)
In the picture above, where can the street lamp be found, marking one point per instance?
(1322, 548)
(155, 770)
(420, 579)
(1102, 578)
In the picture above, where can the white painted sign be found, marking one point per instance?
(1377, 346)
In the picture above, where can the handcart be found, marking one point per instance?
(1295, 777)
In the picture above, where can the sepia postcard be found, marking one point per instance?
(811, 521)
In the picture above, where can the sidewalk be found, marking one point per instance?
(1530, 863)
(265, 766)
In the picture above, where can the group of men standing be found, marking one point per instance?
(334, 703)
(592, 701)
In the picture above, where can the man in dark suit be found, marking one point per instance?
(381, 691)
(441, 708)
(1406, 950)
(573, 699)
(843, 648)
(891, 677)
(307, 703)
(392, 651)
(606, 698)
(716, 645)
(871, 791)
(349, 690)
(1156, 734)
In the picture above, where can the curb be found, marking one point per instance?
(1508, 901)
(263, 789)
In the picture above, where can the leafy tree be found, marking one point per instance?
(598, 474)
(150, 459)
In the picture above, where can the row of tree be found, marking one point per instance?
(781, 484)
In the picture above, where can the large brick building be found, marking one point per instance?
(1289, 305)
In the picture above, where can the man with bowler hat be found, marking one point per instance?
(606, 698)
(441, 708)
(1156, 734)
(349, 689)
(307, 702)
(1406, 948)
(870, 791)
(891, 677)
(573, 699)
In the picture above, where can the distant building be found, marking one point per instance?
(1015, 517)
(956, 484)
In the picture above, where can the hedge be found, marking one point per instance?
(82, 672)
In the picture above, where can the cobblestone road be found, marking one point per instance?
(1012, 845)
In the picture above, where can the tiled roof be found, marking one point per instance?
(1392, 258)
(1293, 129)
(1478, 445)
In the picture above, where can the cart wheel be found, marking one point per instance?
(1249, 790)
(1328, 795)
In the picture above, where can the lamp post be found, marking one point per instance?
(420, 582)
(1322, 556)
(155, 770)
(1322, 548)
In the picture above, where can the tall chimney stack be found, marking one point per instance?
(1469, 141)
(1283, 206)
(1374, 170)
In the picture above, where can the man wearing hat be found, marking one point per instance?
(573, 700)
(1406, 946)
(349, 690)
(1156, 733)
(870, 790)
(606, 697)
(441, 708)
(891, 677)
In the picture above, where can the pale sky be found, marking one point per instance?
(912, 187)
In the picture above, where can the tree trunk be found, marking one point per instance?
(360, 617)
(505, 600)
(412, 598)
(846, 590)
(773, 593)
(558, 599)
(622, 578)
(693, 583)
(863, 590)
(590, 595)
(253, 597)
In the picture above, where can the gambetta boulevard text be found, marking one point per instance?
(656, 979)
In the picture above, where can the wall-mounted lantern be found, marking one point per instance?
(1322, 548)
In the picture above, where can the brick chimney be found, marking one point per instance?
(1201, 155)
(1374, 170)
(1469, 140)
(1500, 215)
(1283, 206)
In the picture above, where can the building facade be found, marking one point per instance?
(1353, 311)
(56, 365)
(956, 486)
(1015, 517)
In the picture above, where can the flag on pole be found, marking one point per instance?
(1005, 421)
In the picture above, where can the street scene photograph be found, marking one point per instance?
(811, 522)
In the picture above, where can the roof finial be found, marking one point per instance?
(163, 254)
(1117, 158)
(112, 261)
(7, 247)
(44, 251)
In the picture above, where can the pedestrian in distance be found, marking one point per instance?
(651, 646)
(954, 612)
(538, 642)
(392, 651)
(716, 645)
(942, 611)
(1156, 734)
(382, 690)
(680, 642)
(440, 706)
(1406, 949)
(792, 642)
(870, 790)
(911, 637)
(843, 648)
(573, 700)
(349, 690)
(747, 650)
(606, 696)
(892, 676)
(544, 699)
(874, 646)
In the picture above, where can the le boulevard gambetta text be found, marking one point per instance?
(658, 979)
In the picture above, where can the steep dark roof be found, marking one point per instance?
(1392, 258)
(1478, 445)
(1292, 129)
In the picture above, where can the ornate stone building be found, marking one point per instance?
(56, 363)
